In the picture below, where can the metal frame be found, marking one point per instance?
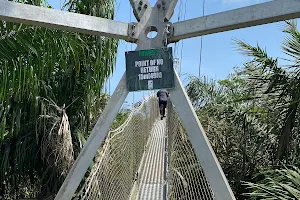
(50, 18)
(264, 13)
(151, 19)
(103, 124)
(273, 11)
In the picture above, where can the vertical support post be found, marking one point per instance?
(97, 136)
(204, 152)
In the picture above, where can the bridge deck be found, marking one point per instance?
(152, 178)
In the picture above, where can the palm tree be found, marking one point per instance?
(50, 97)
(251, 118)
(277, 184)
(278, 85)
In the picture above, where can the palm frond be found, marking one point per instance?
(278, 184)
(68, 68)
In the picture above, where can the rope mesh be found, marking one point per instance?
(117, 161)
(119, 169)
(186, 179)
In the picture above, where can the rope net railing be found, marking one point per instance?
(126, 165)
(115, 166)
(186, 180)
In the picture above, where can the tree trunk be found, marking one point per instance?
(287, 131)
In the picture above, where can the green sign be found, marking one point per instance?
(149, 69)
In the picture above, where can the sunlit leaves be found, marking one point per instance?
(252, 117)
(278, 184)
(36, 65)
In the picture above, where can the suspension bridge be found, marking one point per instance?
(146, 158)
(149, 158)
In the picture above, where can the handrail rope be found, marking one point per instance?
(119, 167)
(124, 144)
(183, 164)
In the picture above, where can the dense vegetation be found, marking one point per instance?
(50, 97)
(252, 120)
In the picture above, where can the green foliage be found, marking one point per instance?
(252, 117)
(50, 98)
(238, 138)
(120, 118)
(278, 184)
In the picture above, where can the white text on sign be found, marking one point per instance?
(149, 69)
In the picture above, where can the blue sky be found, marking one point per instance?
(219, 54)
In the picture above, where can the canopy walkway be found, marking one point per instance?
(151, 183)
(146, 158)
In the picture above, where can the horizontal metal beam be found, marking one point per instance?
(274, 11)
(50, 18)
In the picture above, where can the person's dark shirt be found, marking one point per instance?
(163, 95)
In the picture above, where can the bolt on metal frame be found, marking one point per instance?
(151, 19)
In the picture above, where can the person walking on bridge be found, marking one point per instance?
(162, 96)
